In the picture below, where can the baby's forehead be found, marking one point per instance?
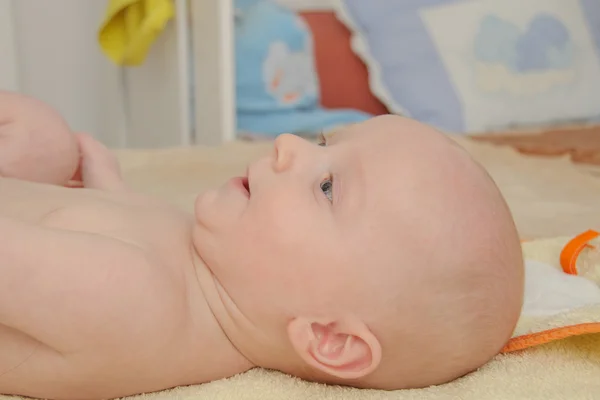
(395, 155)
(385, 133)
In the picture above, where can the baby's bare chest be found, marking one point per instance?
(125, 297)
(137, 222)
(130, 217)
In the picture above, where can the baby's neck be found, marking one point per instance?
(210, 312)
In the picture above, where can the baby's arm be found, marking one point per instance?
(99, 168)
(68, 289)
(79, 299)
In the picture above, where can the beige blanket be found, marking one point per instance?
(549, 198)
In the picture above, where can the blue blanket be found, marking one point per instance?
(277, 86)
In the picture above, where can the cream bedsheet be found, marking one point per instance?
(549, 197)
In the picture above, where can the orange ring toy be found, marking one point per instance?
(571, 251)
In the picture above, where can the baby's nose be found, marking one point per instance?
(287, 149)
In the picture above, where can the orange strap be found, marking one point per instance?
(551, 335)
(571, 251)
(568, 261)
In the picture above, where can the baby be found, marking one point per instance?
(384, 257)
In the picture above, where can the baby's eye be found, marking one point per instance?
(327, 188)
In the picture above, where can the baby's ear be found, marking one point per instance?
(343, 348)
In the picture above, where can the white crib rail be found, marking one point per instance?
(146, 106)
(191, 60)
(184, 57)
(9, 77)
(213, 71)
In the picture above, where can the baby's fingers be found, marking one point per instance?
(99, 166)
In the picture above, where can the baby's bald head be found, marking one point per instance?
(386, 258)
(446, 272)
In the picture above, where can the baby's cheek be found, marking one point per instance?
(286, 213)
(266, 253)
(279, 229)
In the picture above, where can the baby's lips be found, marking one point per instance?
(249, 178)
(246, 185)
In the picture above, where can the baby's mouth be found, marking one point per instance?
(241, 184)
(246, 184)
(246, 180)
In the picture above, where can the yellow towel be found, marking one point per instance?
(131, 27)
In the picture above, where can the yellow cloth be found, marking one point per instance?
(131, 27)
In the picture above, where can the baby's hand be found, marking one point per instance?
(36, 144)
(98, 168)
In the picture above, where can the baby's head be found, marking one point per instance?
(385, 258)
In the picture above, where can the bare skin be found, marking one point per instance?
(36, 143)
(132, 318)
(382, 258)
